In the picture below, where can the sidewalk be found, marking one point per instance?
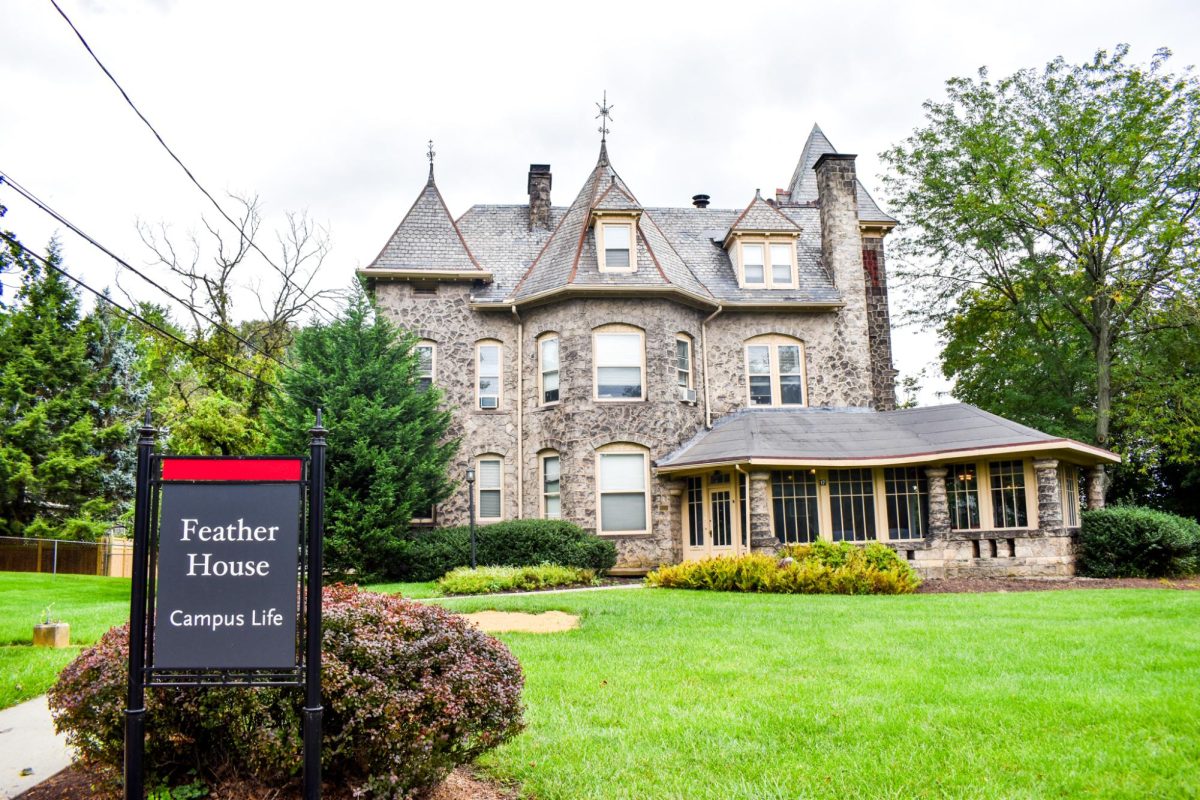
(28, 741)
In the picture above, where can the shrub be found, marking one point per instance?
(519, 543)
(486, 580)
(1133, 542)
(410, 691)
(818, 568)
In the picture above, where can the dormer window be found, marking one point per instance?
(615, 245)
(766, 264)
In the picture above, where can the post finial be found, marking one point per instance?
(430, 153)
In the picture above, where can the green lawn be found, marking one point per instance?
(413, 591)
(672, 694)
(91, 605)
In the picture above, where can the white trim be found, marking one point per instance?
(623, 448)
(480, 488)
(479, 345)
(773, 342)
(542, 493)
(617, 328)
(541, 340)
(630, 223)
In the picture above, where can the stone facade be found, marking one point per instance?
(879, 325)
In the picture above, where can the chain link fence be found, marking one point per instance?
(111, 556)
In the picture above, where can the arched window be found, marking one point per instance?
(623, 489)
(489, 372)
(619, 363)
(489, 487)
(547, 348)
(775, 373)
(551, 504)
(426, 363)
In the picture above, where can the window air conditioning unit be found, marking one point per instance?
(687, 395)
(488, 402)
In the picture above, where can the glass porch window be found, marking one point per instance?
(1008, 494)
(852, 505)
(794, 506)
(962, 495)
(906, 491)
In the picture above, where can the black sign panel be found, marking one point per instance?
(228, 560)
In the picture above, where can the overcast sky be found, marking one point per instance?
(326, 107)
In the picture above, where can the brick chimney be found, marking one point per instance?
(539, 196)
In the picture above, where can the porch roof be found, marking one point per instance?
(818, 437)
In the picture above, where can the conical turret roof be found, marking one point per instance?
(427, 239)
(802, 190)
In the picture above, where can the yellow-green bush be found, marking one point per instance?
(819, 568)
(486, 580)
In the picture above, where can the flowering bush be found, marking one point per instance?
(410, 691)
(818, 568)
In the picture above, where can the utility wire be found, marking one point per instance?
(28, 195)
(182, 166)
(150, 325)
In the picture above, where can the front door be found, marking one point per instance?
(709, 520)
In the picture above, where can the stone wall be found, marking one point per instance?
(992, 554)
(879, 326)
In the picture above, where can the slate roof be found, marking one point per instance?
(427, 238)
(802, 190)
(762, 216)
(858, 435)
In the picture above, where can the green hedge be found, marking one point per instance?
(1134, 542)
(519, 543)
(819, 568)
(488, 580)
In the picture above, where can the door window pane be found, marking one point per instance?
(695, 511)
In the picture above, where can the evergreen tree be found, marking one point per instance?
(388, 448)
(55, 465)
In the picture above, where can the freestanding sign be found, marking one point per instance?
(221, 576)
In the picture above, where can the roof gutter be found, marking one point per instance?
(425, 274)
(704, 355)
(520, 413)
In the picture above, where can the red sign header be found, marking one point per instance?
(232, 469)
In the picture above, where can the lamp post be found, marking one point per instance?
(471, 509)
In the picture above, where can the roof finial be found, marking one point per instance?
(605, 116)
(430, 153)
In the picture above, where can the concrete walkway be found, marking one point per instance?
(28, 742)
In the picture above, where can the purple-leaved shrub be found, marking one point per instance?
(410, 691)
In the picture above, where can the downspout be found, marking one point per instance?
(745, 520)
(520, 414)
(704, 355)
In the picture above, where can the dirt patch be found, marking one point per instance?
(74, 783)
(505, 621)
(971, 585)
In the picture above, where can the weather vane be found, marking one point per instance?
(431, 152)
(605, 116)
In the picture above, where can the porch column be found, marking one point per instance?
(1049, 498)
(675, 517)
(762, 540)
(1095, 487)
(939, 507)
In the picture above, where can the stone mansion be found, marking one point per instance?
(698, 381)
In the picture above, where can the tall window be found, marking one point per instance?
(1008, 494)
(425, 364)
(683, 364)
(775, 371)
(794, 503)
(768, 264)
(695, 511)
(551, 493)
(619, 354)
(906, 490)
(852, 504)
(489, 503)
(487, 361)
(622, 475)
(614, 241)
(548, 368)
(1068, 479)
(962, 495)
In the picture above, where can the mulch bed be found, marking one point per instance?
(74, 783)
(972, 585)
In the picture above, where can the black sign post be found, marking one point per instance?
(221, 574)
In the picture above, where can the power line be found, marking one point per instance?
(182, 166)
(28, 195)
(150, 325)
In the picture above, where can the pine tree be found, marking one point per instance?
(388, 449)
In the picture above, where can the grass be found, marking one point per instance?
(675, 694)
(91, 605)
(413, 591)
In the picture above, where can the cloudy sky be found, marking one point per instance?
(327, 107)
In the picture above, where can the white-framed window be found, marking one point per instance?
(489, 358)
(551, 485)
(548, 368)
(619, 363)
(615, 250)
(767, 263)
(622, 489)
(1009, 507)
(775, 371)
(489, 487)
(426, 363)
(683, 366)
(906, 496)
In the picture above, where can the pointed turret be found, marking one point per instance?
(802, 190)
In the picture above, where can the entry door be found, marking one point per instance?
(710, 524)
